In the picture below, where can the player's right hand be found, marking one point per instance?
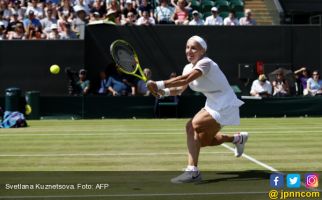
(152, 87)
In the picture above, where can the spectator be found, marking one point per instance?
(62, 21)
(113, 6)
(65, 9)
(67, 32)
(103, 83)
(5, 10)
(95, 18)
(142, 90)
(49, 20)
(98, 7)
(187, 4)
(164, 13)
(281, 86)
(51, 6)
(53, 34)
(18, 32)
(130, 83)
(118, 86)
(173, 75)
(78, 24)
(214, 19)
(3, 21)
(231, 20)
(145, 19)
(261, 87)
(2, 31)
(181, 14)
(16, 8)
(39, 12)
(314, 84)
(113, 17)
(247, 20)
(31, 21)
(34, 33)
(302, 75)
(130, 20)
(14, 21)
(85, 4)
(129, 8)
(145, 6)
(83, 83)
(196, 19)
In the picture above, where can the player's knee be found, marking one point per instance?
(196, 125)
(204, 141)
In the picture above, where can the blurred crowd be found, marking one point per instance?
(109, 84)
(280, 83)
(66, 19)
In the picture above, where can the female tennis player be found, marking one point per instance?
(221, 108)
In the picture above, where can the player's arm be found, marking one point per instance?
(173, 86)
(174, 91)
(182, 80)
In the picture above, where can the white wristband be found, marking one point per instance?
(166, 92)
(160, 85)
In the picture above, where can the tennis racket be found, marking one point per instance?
(126, 59)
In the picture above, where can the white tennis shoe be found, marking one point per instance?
(188, 177)
(240, 145)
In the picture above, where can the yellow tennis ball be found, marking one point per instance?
(28, 109)
(54, 69)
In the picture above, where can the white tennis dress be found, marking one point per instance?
(222, 103)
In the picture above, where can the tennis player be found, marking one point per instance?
(221, 108)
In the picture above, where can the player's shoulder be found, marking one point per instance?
(206, 61)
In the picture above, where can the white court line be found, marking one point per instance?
(105, 129)
(264, 165)
(252, 159)
(129, 134)
(134, 195)
(102, 154)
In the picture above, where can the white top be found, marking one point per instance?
(211, 20)
(200, 22)
(314, 85)
(163, 13)
(244, 21)
(144, 21)
(213, 84)
(258, 88)
(231, 22)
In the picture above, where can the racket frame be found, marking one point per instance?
(136, 58)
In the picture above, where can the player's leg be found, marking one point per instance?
(197, 137)
(192, 144)
(230, 116)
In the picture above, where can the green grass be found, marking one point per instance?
(286, 144)
(122, 145)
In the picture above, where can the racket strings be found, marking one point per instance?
(125, 58)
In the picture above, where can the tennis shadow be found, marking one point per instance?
(249, 175)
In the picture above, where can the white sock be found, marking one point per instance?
(192, 168)
(237, 138)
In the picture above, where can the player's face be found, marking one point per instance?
(194, 51)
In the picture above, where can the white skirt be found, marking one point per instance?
(227, 116)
